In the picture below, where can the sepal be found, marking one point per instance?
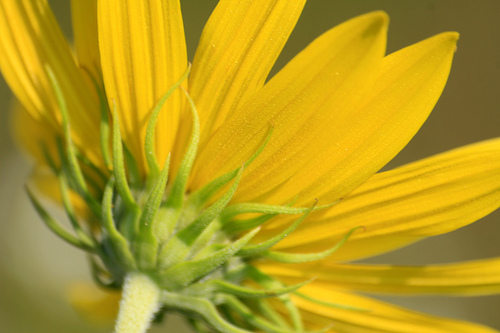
(256, 249)
(204, 308)
(245, 292)
(55, 227)
(181, 243)
(204, 194)
(117, 242)
(149, 143)
(176, 196)
(297, 258)
(253, 207)
(183, 274)
(118, 164)
(146, 241)
(249, 316)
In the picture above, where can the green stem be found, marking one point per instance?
(140, 301)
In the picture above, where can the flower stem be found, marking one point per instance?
(140, 301)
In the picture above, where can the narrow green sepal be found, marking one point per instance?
(262, 324)
(270, 312)
(209, 248)
(73, 182)
(180, 245)
(49, 159)
(232, 317)
(192, 231)
(253, 207)
(97, 171)
(146, 243)
(205, 193)
(237, 226)
(104, 130)
(176, 196)
(293, 312)
(129, 220)
(297, 258)
(202, 195)
(104, 123)
(55, 227)
(262, 146)
(149, 143)
(251, 250)
(134, 175)
(202, 308)
(269, 282)
(198, 325)
(118, 164)
(230, 288)
(328, 304)
(68, 207)
(97, 275)
(75, 170)
(117, 242)
(183, 274)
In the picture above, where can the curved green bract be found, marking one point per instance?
(118, 163)
(248, 316)
(149, 143)
(254, 207)
(297, 258)
(180, 245)
(252, 250)
(230, 288)
(118, 243)
(200, 307)
(183, 274)
(205, 193)
(68, 207)
(146, 242)
(328, 304)
(55, 227)
(176, 197)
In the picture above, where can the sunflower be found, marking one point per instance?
(235, 199)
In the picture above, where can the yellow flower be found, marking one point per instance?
(248, 162)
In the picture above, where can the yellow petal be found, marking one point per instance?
(143, 54)
(96, 305)
(304, 102)
(84, 19)
(31, 40)
(425, 198)
(32, 135)
(377, 317)
(238, 48)
(479, 277)
(410, 83)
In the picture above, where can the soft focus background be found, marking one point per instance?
(36, 267)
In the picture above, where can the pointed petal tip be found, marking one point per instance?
(452, 35)
(449, 36)
(375, 24)
(380, 16)
(447, 39)
(380, 20)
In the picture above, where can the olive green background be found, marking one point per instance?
(35, 266)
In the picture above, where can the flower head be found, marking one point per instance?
(205, 189)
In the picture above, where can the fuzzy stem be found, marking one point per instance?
(140, 301)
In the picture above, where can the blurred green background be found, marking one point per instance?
(35, 266)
